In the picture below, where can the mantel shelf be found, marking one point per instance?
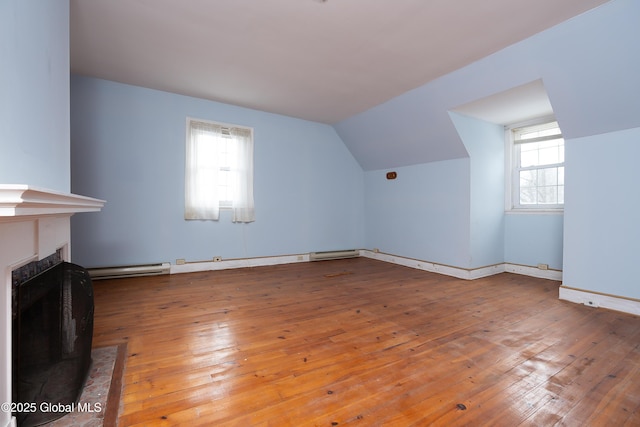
(17, 200)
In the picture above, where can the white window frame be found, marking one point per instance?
(512, 179)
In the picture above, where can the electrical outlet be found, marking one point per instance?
(300, 258)
(217, 258)
(543, 266)
(181, 261)
(376, 250)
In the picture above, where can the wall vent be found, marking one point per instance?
(327, 255)
(130, 271)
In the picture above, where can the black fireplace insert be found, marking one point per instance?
(52, 336)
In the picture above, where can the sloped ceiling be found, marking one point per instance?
(515, 105)
(383, 73)
(318, 60)
(588, 67)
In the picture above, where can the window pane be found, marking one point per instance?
(205, 147)
(561, 194)
(223, 158)
(528, 196)
(224, 187)
(547, 195)
(529, 146)
(549, 156)
(542, 153)
(224, 152)
(548, 176)
(551, 143)
(529, 158)
(528, 178)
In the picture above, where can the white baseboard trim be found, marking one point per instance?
(595, 299)
(192, 267)
(533, 271)
(460, 273)
(464, 273)
(579, 296)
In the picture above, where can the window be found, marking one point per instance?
(219, 171)
(537, 167)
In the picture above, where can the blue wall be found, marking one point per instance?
(128, 143)
(422, 214)
(485, 144)
(34, 88)
(602, 230)
(590, 67)
(34, 120)
(532, 239)
(128, 147)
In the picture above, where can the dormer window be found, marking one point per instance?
(537, 167)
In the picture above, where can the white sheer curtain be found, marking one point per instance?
(205, 142)
(242, 176)
(201, 172)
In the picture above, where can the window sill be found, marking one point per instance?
(534, 212)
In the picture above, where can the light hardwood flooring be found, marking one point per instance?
(366, 343)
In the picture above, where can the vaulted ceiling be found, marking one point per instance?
(320, 60)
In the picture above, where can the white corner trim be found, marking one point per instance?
(192, 267)
(594, 299)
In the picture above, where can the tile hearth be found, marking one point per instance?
(97, 393)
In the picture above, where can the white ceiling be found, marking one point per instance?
(515, 105)
(318, 60)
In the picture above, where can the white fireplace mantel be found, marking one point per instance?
(25, 200)
(34, 223)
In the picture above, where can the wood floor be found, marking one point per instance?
(367, 343)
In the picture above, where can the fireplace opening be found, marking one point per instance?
(52, 336)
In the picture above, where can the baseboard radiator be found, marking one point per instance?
(130, 271)
(327, 255)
